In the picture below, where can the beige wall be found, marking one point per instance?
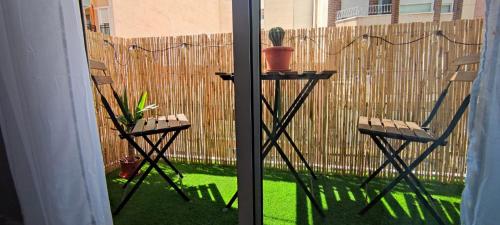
(100, 3)
(289, 13)
(146, 18)
(468, 9)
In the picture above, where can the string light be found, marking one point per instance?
(441, 34)
(115, 54)
(365, 38)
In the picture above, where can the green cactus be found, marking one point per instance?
(276, 35)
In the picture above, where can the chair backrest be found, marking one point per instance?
(100, 79)
(457, 76)
(464, 76)
(454, 121)
(467, 60)
(105, 80)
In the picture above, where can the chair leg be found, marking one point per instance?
(139, 167)
(403, 175)
(132, 191)
(155, 148)
(387, 162)
(165, 176)
(411, 175)
(153, 165)
(172, 166)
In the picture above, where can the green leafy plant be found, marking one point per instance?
(276, 35)
(130, 117)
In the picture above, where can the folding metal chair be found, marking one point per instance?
(382, 129)
(162, 125)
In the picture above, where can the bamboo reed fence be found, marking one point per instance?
(374, 78)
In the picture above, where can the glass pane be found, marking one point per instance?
(446, 8)
(416, 8)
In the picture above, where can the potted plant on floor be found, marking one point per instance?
(128, 119)
(278, 57)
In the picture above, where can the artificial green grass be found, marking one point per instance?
(211, 186)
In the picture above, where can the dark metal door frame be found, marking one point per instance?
(246, 39)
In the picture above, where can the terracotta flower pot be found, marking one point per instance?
(128, 166)
(278, 58)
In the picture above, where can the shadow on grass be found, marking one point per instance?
(157, 203)
(210, 186)
(342, 199)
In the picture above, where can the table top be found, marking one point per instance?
(292, 75)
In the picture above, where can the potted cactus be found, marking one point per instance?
(278, 57)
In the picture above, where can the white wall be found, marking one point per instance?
(321, 13)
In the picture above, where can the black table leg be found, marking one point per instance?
(287, 118)
(290, 140)
(281, 128)
(294, 172)
(231, 201)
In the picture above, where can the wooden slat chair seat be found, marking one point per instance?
(380, 130)
(160, 126)
(395, 129)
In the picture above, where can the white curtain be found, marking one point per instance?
(47, 115)
(481, 197)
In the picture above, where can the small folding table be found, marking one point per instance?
(281, 123)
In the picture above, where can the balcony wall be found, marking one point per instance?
(386, 19)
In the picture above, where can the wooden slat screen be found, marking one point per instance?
(374, 79)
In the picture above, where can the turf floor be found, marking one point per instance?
(210, 187)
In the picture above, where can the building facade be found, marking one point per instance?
(146, 18)
(371, 12)
(130, 18)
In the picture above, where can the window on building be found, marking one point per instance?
(103, 18)
(384, 2)
(446, 8)
(415, 8)
(104, 28)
